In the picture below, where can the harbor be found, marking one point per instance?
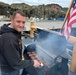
(48, 24)
(45, 24)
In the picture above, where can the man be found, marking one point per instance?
(11, 49)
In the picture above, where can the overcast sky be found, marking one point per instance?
(63, 3)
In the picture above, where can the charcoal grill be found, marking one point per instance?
(47, 49)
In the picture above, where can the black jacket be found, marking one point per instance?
(11, 50)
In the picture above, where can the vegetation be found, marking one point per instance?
(41, 11)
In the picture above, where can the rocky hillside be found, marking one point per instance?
(45, 11)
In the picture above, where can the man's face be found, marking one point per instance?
(18, 22)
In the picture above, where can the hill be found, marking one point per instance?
(45, 11)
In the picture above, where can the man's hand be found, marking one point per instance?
(36, 63)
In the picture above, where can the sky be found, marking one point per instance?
(63, 3)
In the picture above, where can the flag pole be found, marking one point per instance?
(67, 13)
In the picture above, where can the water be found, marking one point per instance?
(45, 24)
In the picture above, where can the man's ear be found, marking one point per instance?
(11, 18)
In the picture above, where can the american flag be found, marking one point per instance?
(71, 19)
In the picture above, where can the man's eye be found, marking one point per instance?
(23, 22)
(18, 21)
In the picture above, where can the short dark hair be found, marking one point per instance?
(19, 12)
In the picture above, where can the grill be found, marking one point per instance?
(47, 49)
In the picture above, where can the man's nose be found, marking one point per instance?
(21, 24)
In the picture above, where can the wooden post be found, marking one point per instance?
(31, 30)
(72, 40)
(73, 61)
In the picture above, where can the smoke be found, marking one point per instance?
(49, 45)
(51, 42)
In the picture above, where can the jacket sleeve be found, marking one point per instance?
(71, 73)
(12, 55)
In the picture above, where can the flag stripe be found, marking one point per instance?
(74, 13)
(71, 19)
(74, 21)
